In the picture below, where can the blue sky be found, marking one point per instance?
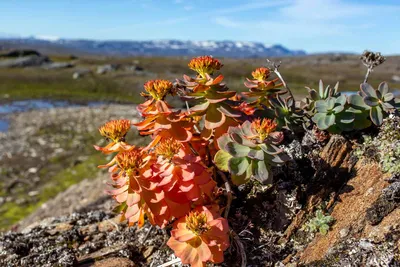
(312, 25)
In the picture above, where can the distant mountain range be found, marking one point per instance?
(152, 48)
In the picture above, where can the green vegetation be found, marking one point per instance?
(124, 85)
(12, 212)
(320, 223)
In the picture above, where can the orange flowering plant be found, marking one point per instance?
(177, 179)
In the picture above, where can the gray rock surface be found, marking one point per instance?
(26, 61)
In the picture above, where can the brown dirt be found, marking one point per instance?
(355, 198)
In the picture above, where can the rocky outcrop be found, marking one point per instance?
(26, 61)
(78, 227)
(82, 239)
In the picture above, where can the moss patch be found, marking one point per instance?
(11, 212)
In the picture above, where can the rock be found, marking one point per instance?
(107, 68)
(114, 262)
(57, 65)
(336, 152)
(33, 170)
(134, 68)
(20, 53)
(27, 61)
(385, 204)
(74, 240)
(81, 73)
(396, 78)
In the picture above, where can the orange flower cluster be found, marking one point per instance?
(205, 65)
(263, 127)
(115, 131)
(160, 121)
(199, 237)
(174, 179)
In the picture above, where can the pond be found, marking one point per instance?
(33, 104)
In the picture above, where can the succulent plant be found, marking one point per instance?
(379, 102)
(210, 97)
(320, 223)
(249, 151)
(331, 115)
(322, 94)
(286, 113)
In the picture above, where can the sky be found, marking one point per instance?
(312, 25)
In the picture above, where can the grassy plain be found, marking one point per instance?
(125, 85)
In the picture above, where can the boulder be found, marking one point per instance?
(58, 65)
(107, 68)
(20, 53)
(81, 73)
(26, 61)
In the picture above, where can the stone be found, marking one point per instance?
(107, 68)
(57, 65)
(114, 262)
(26, 61)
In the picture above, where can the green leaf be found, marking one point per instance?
(383, 88)
(371, 101)
(242, 140)
(338, 109)
(345, 117)
(368, 90)
(246, 128)
(388, 97)
(244, 178)
(321, 106)
(256, 154)
(262, 172)
(321, 88)
(238, 166)
(357, 102)
(221, 160)
(270, 149)
(223, 140)
(319, 119)
(236, 150)
(376, 115)
(323, 229)
(200, 107)
(342, 100)
(214, 118)
(329, 120)
(331, 103)
(361, 120)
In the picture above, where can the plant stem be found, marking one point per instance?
(228, 192)
(276, 70)
(367, 74)
(240, 248)
(171, 262)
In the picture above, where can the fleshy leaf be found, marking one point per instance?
(357, 102)
(238, 166)
(262, 172)
(321, 106)
(376, 115)
(256, 154)
(236, 150)
(383, 88)
(368, 90)
(221, 160)
(371, 101)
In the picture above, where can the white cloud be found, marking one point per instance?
(309, 18)
(226, 22)
(251, 5)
